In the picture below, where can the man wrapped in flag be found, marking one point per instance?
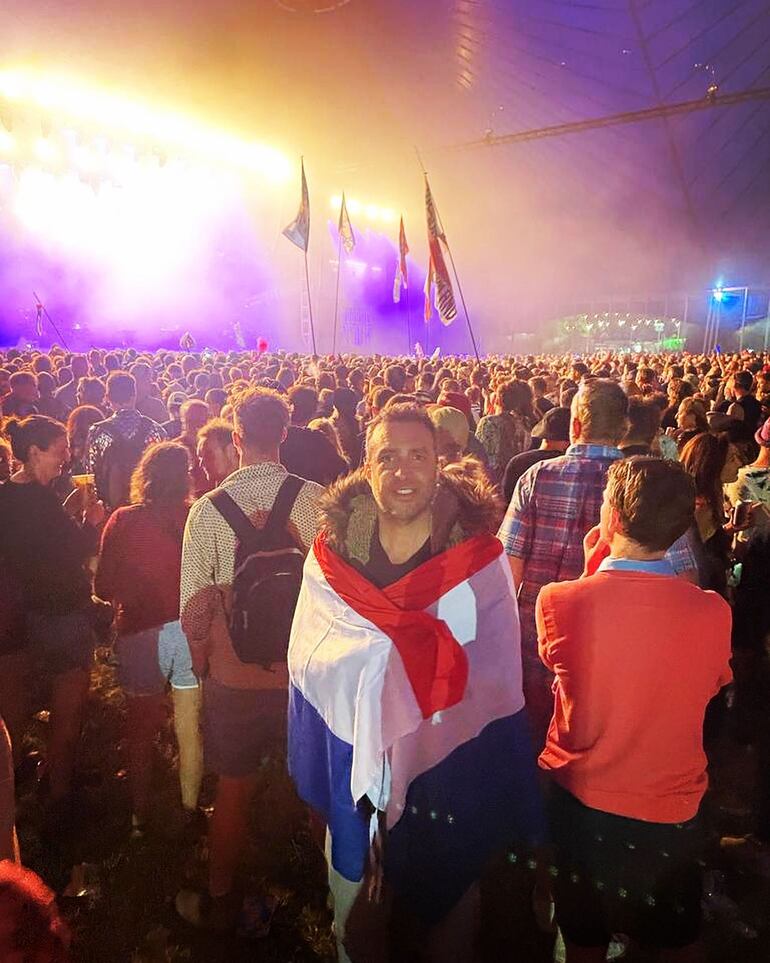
(406, 710)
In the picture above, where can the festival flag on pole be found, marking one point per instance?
(298, 232)
(39, 320)
(438, 275)
(346, 228)
(401, 275)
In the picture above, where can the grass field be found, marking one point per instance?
(125, 911)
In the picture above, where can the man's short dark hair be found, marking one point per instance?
(121, 387)
(395, 377)
(381, 396)
(744, 380)
(643, 420)
(261, 416)
(304, 401)
(654, 498)
(401, 414)
(21, 379)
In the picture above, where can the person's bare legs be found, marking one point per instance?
(585, 954)
(144, 719)
(15, 703)
(68, 699)
(187, 704)
(229, 828)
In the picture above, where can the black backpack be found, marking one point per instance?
(120, 458)
(267, 577)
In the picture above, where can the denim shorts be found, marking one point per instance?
(150, 659)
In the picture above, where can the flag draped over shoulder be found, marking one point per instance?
(438, 275)
(346, 228)
(298, 232)
(411, 696)
(401, 272)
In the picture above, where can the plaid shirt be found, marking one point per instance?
(554, 505)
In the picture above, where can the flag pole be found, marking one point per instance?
(337, 295)
(454, 268)
(408, 325)
(462, 296)
(42, 308)
(310, 304)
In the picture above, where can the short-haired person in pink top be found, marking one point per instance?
(637, 654)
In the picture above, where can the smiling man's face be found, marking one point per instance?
(401, 466)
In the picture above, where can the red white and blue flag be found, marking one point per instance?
(411, 696)
(438, 275)
(401, 272)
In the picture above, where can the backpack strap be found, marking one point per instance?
(235, 517)
(276, 522)
(278, 518)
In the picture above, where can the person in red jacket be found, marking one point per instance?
(637, 654)
(139, 571)
(31, 927)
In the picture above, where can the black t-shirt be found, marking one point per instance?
(380, 571)
(311, 455)
(519, 464)
(44, 550)
(752, 413)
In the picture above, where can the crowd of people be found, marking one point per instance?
(472, 605)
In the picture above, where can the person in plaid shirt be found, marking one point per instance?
(554, 505)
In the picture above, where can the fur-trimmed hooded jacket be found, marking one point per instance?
(465, 505)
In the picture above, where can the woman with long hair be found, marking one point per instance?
(326, 427)
(139, 571)
(690, 421)
(706, 458)
(345, 422)
(44, 554)
(79, 422)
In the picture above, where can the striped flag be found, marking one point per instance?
(346, 228)
(438, 275)
(401, 274)
(413, 699)
(298, 232)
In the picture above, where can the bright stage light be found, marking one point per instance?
(46, 151)
(65, 98)
(372, 212)
(7, 142)
(719, 295)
